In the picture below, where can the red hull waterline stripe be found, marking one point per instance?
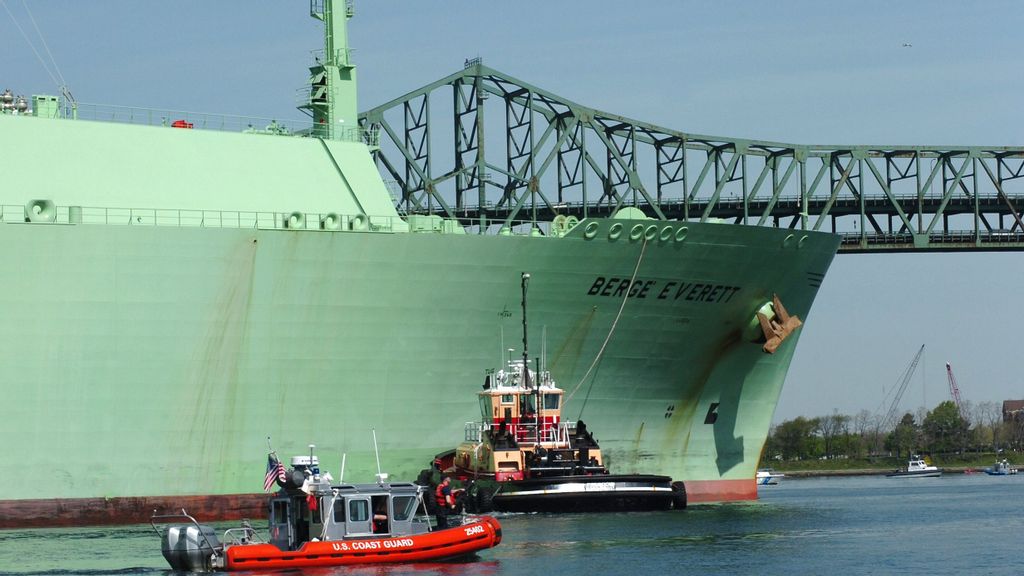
(135, 510)
(128, 510)
(706, 491)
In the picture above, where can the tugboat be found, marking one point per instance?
(523, 457)
(315, 523)
(916, 468)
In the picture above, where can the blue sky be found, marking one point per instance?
(798, 72)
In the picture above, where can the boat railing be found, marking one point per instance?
(473, 431)
(245, 534)
(525, 432)
(558, 434)
(162, 518)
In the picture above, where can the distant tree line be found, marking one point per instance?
(942, 430)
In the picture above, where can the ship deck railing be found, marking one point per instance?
(260, 220)
(184, 218)
(182, 119)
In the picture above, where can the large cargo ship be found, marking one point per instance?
(175, 296)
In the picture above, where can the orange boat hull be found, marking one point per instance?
(448, 543)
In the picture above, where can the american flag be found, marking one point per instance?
(275, 471)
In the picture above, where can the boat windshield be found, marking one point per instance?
(404, 507)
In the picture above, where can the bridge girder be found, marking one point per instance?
(560, 157)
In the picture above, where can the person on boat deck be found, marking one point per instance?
(380, 516)
(445, 502)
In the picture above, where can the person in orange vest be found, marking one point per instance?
(445, 502)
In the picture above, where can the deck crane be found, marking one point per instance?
(890, 417)
(954, 390)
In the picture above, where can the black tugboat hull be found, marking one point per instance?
(605, 493)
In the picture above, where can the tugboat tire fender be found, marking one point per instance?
(484, 500)
(678, 495)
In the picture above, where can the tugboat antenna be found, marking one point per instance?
(526, 366)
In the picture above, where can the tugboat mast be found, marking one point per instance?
(526, 366)
(526, 373)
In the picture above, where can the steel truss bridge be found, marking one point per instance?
(547, 156)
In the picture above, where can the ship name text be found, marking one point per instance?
(662, 290)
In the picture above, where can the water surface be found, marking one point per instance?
(951, 525)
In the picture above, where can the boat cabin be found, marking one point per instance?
(510, 401)
(317, 510)
(521, 433)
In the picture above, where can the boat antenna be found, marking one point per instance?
(342, 477)
(536, 393)
(376, 453)
(543, 347)
(526, 372)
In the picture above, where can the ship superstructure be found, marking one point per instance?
(175, 295)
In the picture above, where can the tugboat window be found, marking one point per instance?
(526, 403)
(404, 507)
(358, 511)
(507, 399)
(551, 401)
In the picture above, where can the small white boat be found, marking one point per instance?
(917, 468)
(768, 477)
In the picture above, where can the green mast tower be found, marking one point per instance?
(332, 95)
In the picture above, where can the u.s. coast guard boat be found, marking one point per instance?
(314, 523)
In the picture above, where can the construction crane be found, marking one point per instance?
(890, 417)
(954, 390)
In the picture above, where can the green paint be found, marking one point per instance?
(196, 307)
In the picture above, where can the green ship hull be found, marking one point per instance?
(175, 297)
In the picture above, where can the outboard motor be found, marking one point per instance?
(190, 547)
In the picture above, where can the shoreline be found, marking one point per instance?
(870, 472)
